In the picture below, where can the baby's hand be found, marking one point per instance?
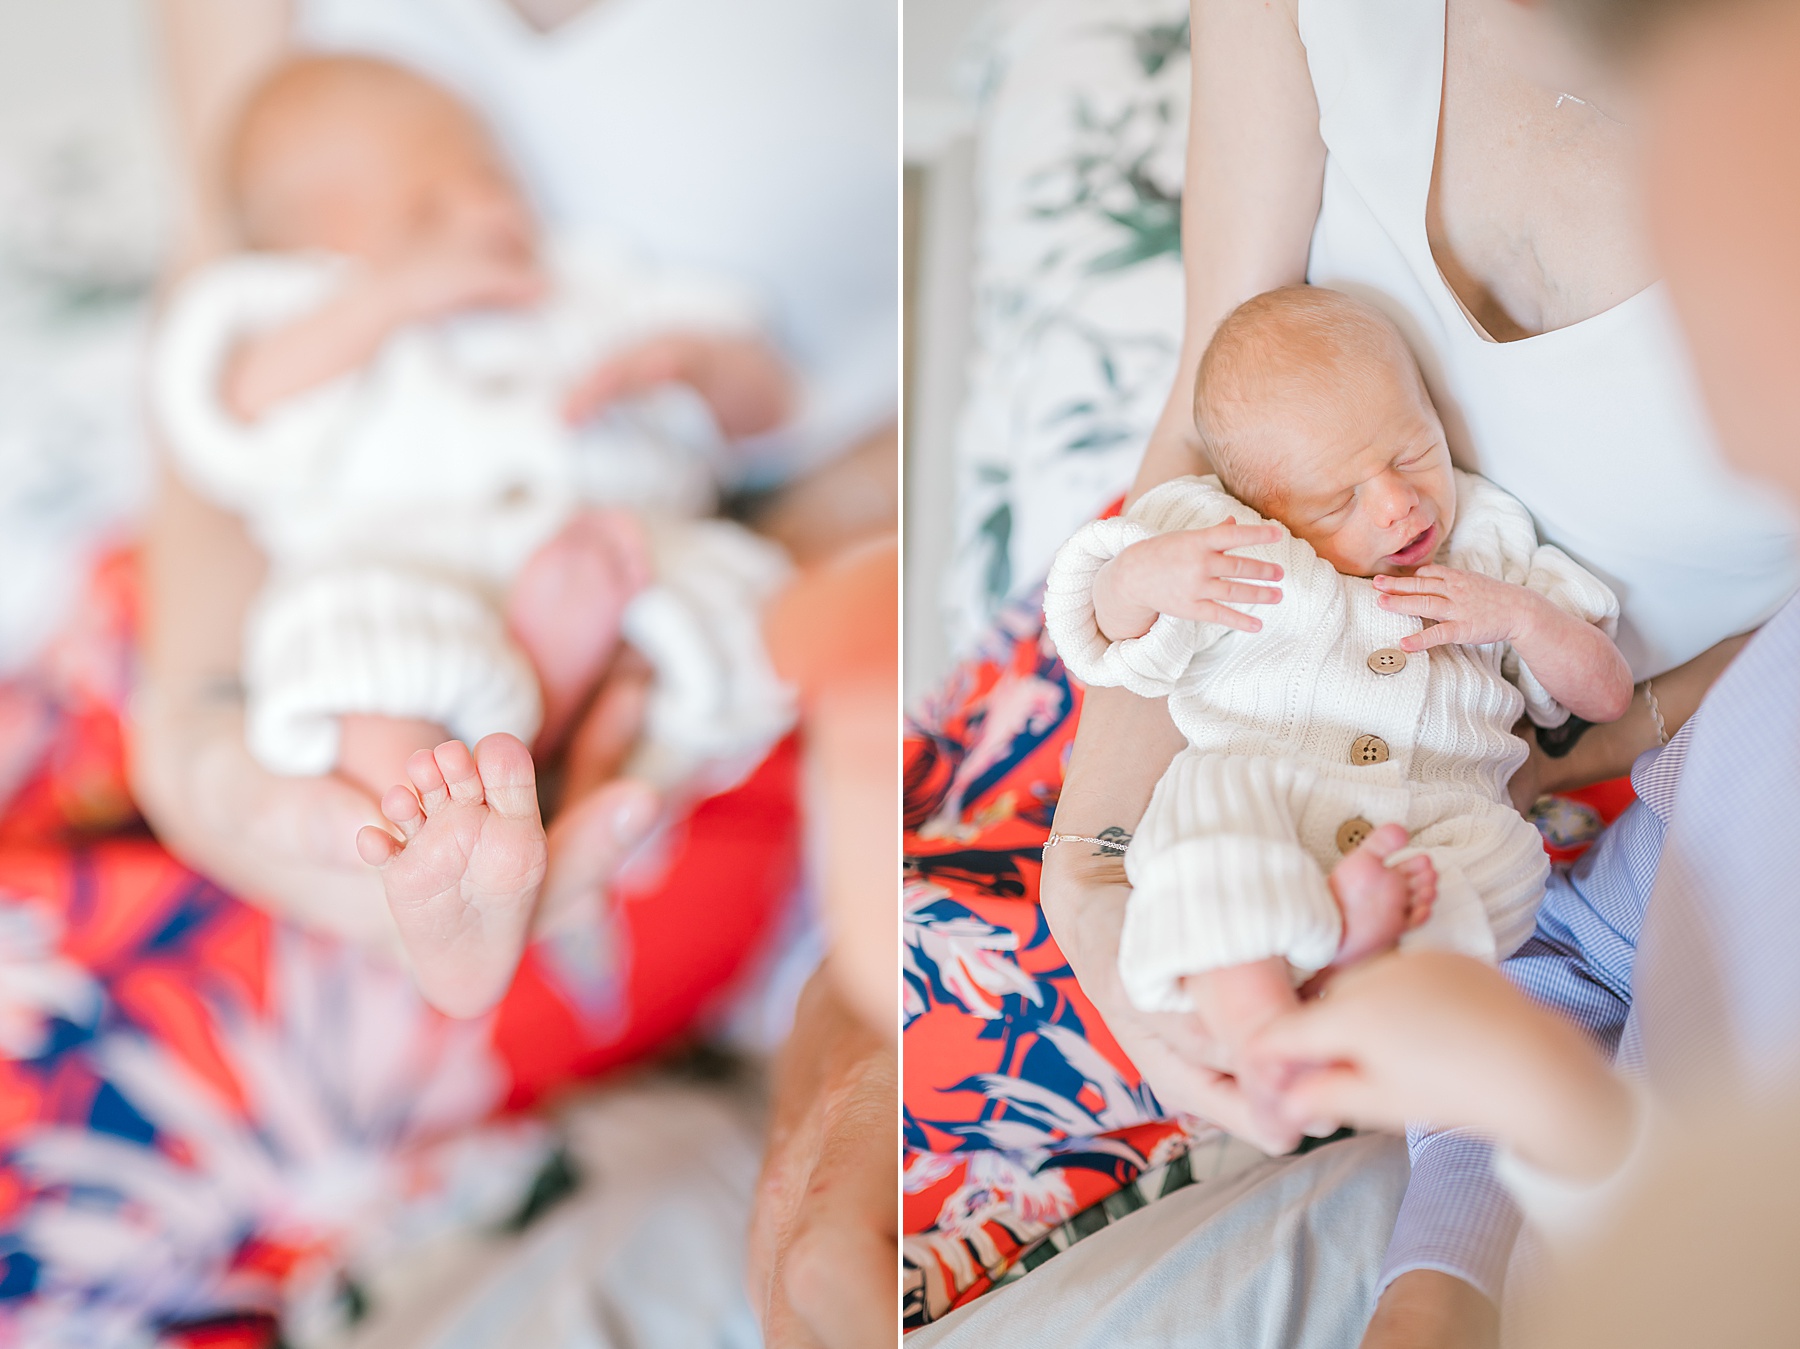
(1469, 610)
(742, 379)
(1188, 574)
(440, 278)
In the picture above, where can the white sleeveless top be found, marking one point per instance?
(752, 138)
(1598, 427)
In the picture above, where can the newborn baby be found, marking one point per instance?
(1345, 784)
(380, 391)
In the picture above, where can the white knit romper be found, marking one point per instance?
(398, 502)
(1306, 735)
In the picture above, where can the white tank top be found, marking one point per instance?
(1598, 427)
(752, 139)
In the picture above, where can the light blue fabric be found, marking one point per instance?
(1714, 1002)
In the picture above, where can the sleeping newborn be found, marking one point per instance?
(379, 389)
(1345, 782)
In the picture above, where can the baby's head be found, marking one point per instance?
(361, 157)
(1312, 410)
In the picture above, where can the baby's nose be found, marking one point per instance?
(1394, 499)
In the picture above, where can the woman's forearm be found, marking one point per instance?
(1122, 746)
(1255, 172)
(1608, 751)
(213, 50)
(285, 844)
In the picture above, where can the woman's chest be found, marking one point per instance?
(1532, 212)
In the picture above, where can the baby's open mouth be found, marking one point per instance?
(1418, 551)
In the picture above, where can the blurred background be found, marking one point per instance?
(87, 207)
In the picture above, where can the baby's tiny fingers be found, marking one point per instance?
(1238, 592)
(1444, 634)
(1223, 538)
(1418, 584)
(1208, 611)
(1419, 606)
(1246, 568)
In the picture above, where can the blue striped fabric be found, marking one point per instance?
(1719, 1005)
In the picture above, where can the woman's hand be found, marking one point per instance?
(1427, 1309)
(824, 1233)
(743, 380)
(1446, 1038)
(1191, 574)
(1179, 1056)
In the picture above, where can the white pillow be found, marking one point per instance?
(1078, 288)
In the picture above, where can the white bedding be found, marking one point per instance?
(84, 223)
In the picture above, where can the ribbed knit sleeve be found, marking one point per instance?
(1575, 590)
(1220, 877)
(1154, 664)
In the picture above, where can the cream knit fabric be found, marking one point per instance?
(1229, 862)
(397, 503)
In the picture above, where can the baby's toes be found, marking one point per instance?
(508, 776)
(428, 781)
(460, 775)
(376, 846)
(1388, 839)
(402, 807)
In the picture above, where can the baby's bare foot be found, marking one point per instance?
(1380, 902)
(566, 604)
(465, 875)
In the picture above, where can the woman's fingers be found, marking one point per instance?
(1337, 1092)
(839, 1268)
(309, 820)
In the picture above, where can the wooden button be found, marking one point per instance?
(1389, 660)
(1351, 833)
(1369, 749)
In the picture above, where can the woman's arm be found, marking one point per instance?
(214, 51)
(288, 844)
(1608, 751)
(1254, 171)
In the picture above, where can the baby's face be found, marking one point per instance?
(1368, 484)
(410, 171)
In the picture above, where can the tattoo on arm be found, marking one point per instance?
(1119, 839)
